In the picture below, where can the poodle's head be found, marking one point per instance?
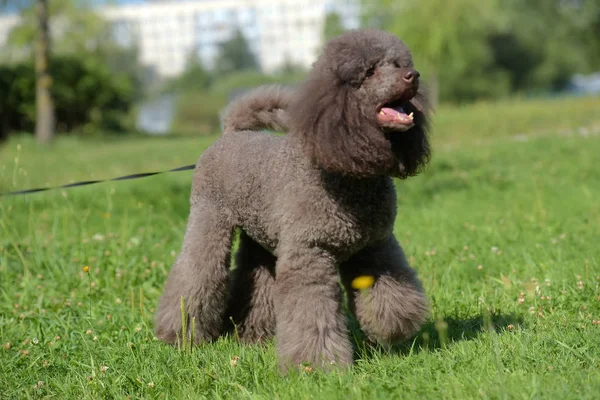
(362, 111)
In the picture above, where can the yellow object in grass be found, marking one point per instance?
(86, 269)
(363, 282)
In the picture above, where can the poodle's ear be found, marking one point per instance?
(412, 147)
(326, 116)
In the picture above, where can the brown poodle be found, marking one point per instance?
(313, 206)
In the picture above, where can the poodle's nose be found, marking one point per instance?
(411, 76)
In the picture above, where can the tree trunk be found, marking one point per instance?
(44, 105)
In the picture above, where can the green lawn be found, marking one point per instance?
(503, 227)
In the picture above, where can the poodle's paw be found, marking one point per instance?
(321, 362)
(391, 322)
(327, 356)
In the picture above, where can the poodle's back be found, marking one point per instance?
(267, 186)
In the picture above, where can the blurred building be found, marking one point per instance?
(278, 31)
(167, 33)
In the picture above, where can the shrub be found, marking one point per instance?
(198, 111)
(87, 96)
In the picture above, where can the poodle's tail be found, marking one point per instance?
(261, 108)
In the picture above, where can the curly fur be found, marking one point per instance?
(329, 113)
(260, 108)
(314, 206)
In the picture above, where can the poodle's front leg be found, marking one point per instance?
(395, 307)
(310, 323)
(200, 276)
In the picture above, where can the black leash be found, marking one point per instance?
(84, 183)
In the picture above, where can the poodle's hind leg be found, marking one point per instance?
(250, 311)
(200, 276)
(310, 323)
(395, 307)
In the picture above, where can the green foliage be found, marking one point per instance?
(477, 49)
(333, 26)
(235, 55)
(87, 95)
(452, 55)
(542, 43)
(202, 94)
(17, 99)
(124, 62)
(95, 81)
(198, 111)
(195, 77)
(244, 80)
(74, 28)
(502, 232)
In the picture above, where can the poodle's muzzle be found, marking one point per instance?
(397, 114)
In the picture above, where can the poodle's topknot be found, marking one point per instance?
(348, 57)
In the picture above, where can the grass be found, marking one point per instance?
(503, 230)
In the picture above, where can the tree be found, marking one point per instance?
(445, 37)
(45, 119)
(544, 42)
(235, 55)
(87, 95)
(194, 78)
(124, 61)
(44, 103)
(75, 30)
(468, 49)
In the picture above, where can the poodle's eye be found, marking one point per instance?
(370, 71)
(402, 64)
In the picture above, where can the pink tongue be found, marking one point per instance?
(391, 114)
